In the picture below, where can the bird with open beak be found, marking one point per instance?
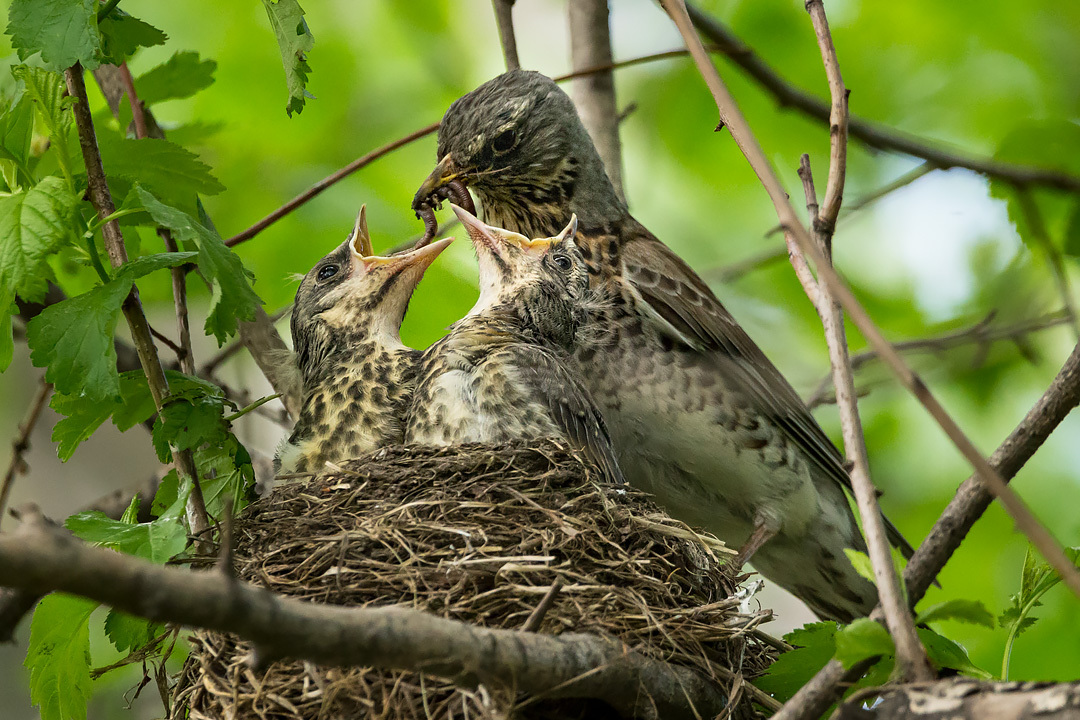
(357, 375)
(502, 373)
(699, 417)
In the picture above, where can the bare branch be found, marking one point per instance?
(21, 443)
(140, 330)
(504, 21)
(967, 506)
(594, 93)
(43, 558)
(869, 133)
(1026, 522)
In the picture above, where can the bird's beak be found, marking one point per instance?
(418, 259)
(443, 174)
(495, 239)
(567, 232)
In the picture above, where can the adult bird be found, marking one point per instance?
(357, 375)
(698, 415)
(503, 371)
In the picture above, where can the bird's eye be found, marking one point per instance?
(562, 262)
(327, 271)
(504, 142)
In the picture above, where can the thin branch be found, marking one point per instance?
(594, 94)
(1053, 256)
(21, 443)
(140, 330)
(967, 506)
(504, 21)
(1026, 522)
(275, 360)
(869, 133)
(733, 271)
(167, 342)
(43, 558)
(900, 182)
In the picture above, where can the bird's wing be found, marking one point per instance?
(570, 405)
(683, 300)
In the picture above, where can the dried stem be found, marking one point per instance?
(21, 443)
(43, 558)
(594, 93)
(140, 330)
(1026, 522)
(967, 506)
(504, 21)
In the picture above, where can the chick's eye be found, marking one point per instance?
(327, 271)
(562, 262)
(504, 141)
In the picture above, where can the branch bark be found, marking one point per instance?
(42, 558)
(730, 115)
(967, 698)
(101, 199)
(594, 93)
(967, 506)
(504, 21)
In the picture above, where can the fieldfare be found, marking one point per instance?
(503, 372)
(357, 375)
(698, 415)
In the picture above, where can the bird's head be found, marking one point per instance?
(518, 142)
(353, 294)
(543, 281)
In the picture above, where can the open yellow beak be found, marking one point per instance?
(496, 238)
(364, 255)
(443, 174)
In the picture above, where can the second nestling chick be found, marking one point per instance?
(501, 374)
(357, 375)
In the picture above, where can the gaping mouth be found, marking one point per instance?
(363, 255)
(445, 182)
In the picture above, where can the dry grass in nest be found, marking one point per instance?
(477, 534)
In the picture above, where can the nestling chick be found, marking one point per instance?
(357, 375)
(501, 373)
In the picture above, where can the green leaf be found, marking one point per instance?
(167, 170)
(815, 645)
(16, 134)
(295, 42)
(860, 640)
(181, 76)
(231, 298)
(34, 224)
(128, 632)
(167, 492)
(1072, 233)
(943, 652)
(861, 562)
(7, 340)
(63, 31)
(123, 34)
(156, 541)
(73, 339)
(48, 92)
(969, 611)
(58, 657)
(186, 423)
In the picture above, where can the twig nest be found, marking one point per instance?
(477, 534)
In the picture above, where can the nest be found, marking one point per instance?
(477, 534)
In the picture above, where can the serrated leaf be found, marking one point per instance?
(860, 640)
(295, 42)
(231, 298)
(181, 76)
(165, 169)
(47, 91)
(73, 339)
(128, 632)
(83, 416)
(156, 541)
(33, 224)
(943, 652)
(186, 423)
(815, 645)
(58, 657)
(123, 34)
(969, 611)
(63, 31)
(861, 562)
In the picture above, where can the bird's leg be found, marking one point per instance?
(765, 528)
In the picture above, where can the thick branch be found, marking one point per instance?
(970, 502)
(730, 115)
(114, 244)
(594, 94)
(42, 558)
(504, 21)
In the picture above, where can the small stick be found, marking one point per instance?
(504, 21)
(21, 443)
(536, 617)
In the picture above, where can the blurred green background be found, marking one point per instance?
(935, 256)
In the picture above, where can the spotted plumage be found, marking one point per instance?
(502, 373)
(356, 373)
(697, 413)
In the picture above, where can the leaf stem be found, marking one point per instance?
(107, 9)
(245, 410)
